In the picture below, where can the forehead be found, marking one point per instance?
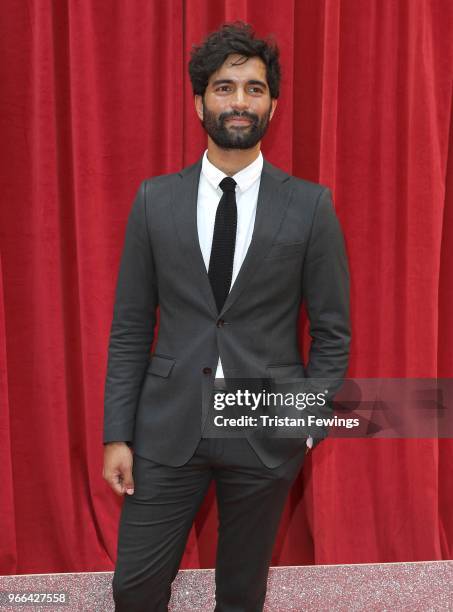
(253, 68)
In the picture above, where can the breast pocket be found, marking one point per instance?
(286, 249)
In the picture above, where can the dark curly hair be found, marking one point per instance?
(237, 37)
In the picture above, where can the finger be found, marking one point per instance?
(115, 483)
(128, 482)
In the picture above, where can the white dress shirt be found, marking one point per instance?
(209, 194)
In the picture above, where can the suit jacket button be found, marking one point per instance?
(220, 323)
(207, 371)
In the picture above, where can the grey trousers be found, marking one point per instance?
(155, 522)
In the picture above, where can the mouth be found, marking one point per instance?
(240, 121)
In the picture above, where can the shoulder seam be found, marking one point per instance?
(145, 193)
(318, 199)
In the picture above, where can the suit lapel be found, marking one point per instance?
(273, 198)
(184, 206)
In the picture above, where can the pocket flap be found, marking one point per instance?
(285, 370)
(161, 366)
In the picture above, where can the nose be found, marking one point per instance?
(239, 101)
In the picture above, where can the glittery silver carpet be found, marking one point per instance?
(421, 586)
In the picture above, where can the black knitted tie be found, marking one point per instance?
(223, 242)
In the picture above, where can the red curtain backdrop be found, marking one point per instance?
(95, 97)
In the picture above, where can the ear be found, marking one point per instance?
(199, 106)
(273, 107)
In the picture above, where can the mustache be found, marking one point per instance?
(244, 115)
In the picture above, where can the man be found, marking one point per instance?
(227, 248)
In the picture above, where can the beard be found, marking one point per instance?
(235, 137)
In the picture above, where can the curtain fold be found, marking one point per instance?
(8, 548)
(95, 98)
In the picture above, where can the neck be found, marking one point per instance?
(231, 161)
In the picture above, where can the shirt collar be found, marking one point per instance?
(244, 178)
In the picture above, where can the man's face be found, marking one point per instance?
(236, 108)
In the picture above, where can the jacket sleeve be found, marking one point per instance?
(132, 329)
(325, 286)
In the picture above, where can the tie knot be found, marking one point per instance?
(227, 184)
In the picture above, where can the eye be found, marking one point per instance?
(224, 88)
(255, 89)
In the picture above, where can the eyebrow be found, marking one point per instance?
(230, 81)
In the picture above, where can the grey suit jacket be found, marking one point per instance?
(296, 254)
